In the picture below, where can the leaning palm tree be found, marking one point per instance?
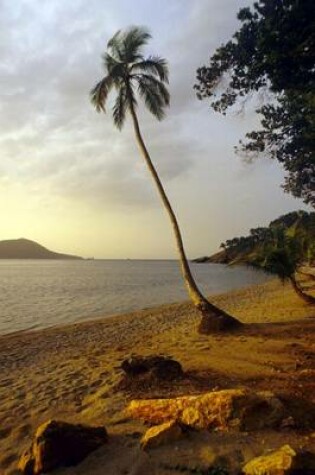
(284, 262)
(131, 75)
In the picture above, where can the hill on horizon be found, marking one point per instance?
(26, 249)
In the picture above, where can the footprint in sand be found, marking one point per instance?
(80, 389)
(6, 382)
(66, 394)
(98, 353)
(19, 393)
(104, 374)
(104, 395)
(8, 459)
(23, 431)
(18, 410)
(96, 383)
(5, 432)
(73, 376)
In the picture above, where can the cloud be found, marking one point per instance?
(50, 134)
(53, 144)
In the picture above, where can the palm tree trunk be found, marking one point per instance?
(306, 297)
(213, 319)
(307, 274)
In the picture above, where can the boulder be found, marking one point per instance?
(58, 444)
(161, 434)
(278, 462)
(227, 409)
(284, 461)
(161, 367)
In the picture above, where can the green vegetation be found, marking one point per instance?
(281, 248)
(130, 74)
(294, 231)
(273, 51)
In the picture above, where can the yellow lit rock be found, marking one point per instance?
(161, 434)
(279, 462)
(238, 409)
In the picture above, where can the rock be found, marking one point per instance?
(228, 409)
(267, 411)
(58, 444)
(278, 462)
(161, 434)
(159, 366)
(288, 423)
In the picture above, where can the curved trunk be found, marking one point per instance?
(213, 319)
(306, 297)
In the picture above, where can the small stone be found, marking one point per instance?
(278, 462)
(288, 423)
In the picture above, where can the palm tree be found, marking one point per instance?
(130, 74)
(283, 258)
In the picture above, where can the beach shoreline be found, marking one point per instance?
(250, 293)
(39, 294)
(72, 372)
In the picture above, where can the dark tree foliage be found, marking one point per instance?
(274, 49)
(295, 230)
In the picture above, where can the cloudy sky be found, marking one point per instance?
(71, 181)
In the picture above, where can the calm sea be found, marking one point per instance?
(36, 294)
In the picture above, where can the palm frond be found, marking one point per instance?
(153, 65)
(155, 95)
(115, 45)
(99, 93)
(120, 108)
(157, 87)
(112, 66)
(126, 67)
(132, 42)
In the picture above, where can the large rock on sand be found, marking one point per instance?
(57, 444)
(231, 408)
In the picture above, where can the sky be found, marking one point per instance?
(72, 182)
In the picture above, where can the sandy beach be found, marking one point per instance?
(72, 373)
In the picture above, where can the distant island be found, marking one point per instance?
(26, 249)
(250, 249)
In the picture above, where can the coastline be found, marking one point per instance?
(71, 372)
(252, 309)
(52, 294)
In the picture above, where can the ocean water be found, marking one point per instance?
(36, 294)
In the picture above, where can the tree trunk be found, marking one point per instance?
(213, 319)
(306, 297)
(307, 274)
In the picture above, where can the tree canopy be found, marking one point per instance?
(129, 72)
(294, 232)
(273, 49)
